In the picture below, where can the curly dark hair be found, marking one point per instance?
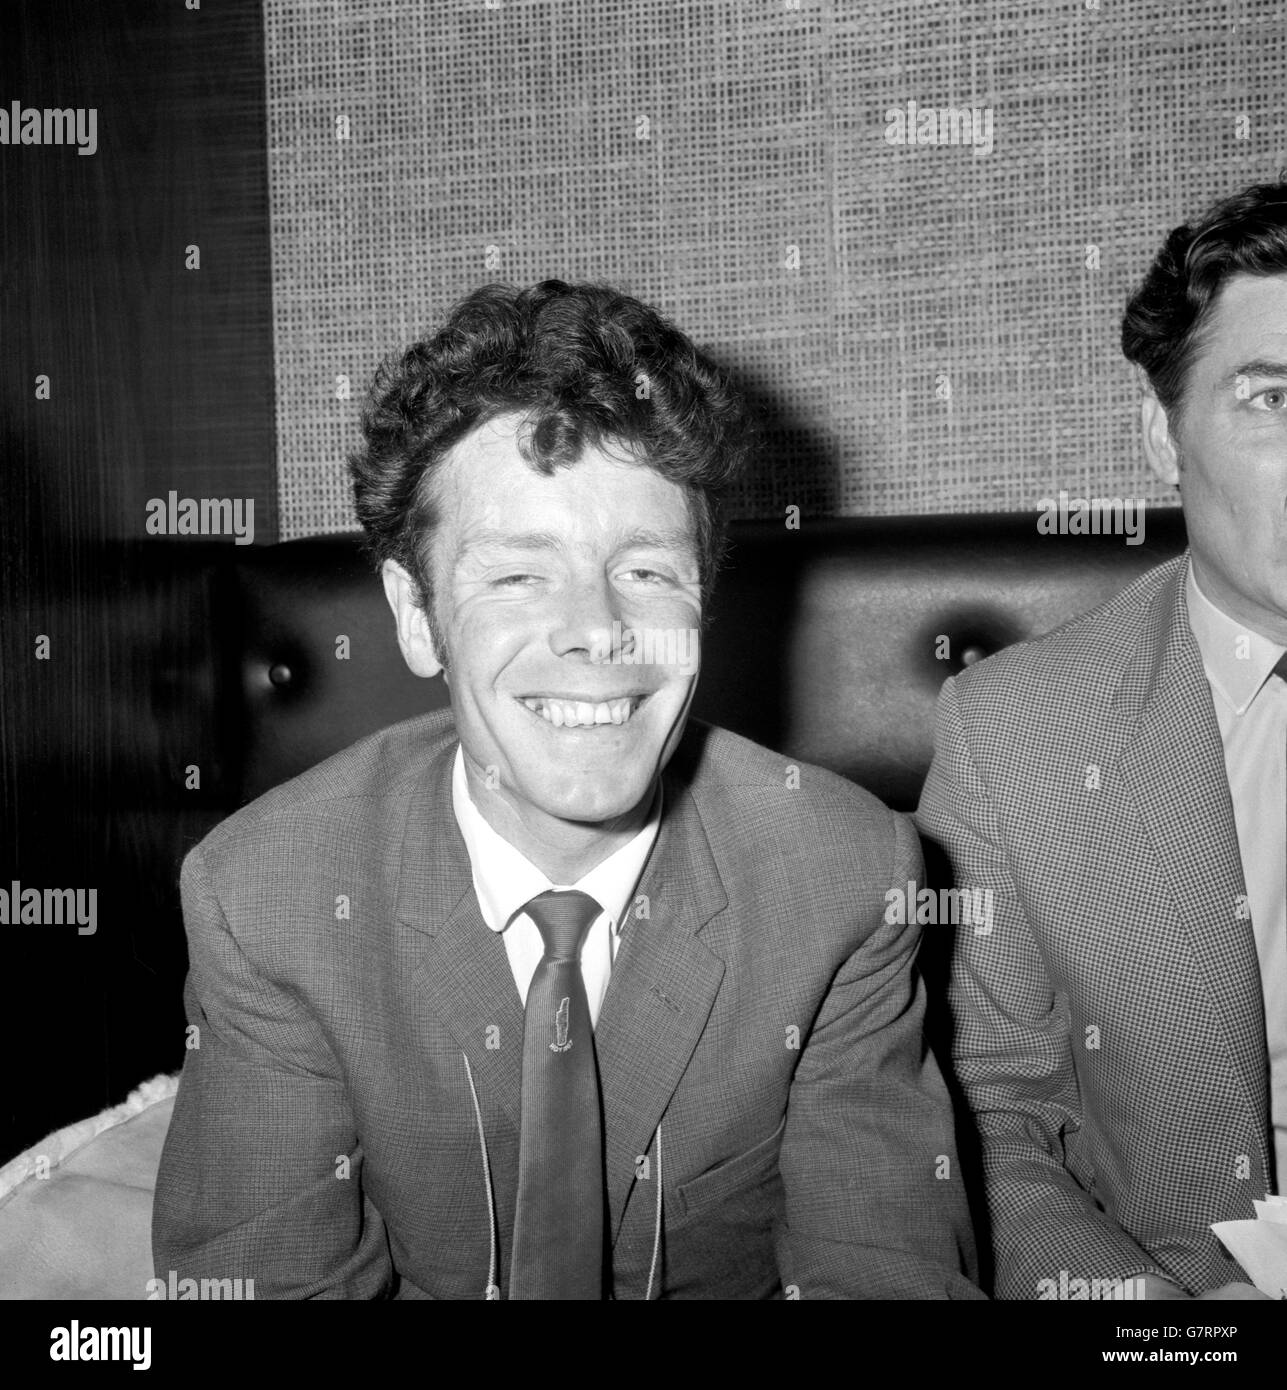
(583, 364)
(1162, 327)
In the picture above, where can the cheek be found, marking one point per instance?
(1216, 498)
(1253, 494)
(1270, 476)
(680, 617)
(483, 641)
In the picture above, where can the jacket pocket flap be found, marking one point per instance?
(741, 1171)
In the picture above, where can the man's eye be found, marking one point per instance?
(645, 576)
(514, 581)
(1275, 398)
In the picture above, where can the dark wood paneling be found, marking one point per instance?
(160, 379)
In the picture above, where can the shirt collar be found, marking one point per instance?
(1238, 661)
(505, 879)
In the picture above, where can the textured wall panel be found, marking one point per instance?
(931, 327)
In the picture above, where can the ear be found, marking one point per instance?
(414, 637)
(1159, 443)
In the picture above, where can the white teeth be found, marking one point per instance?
(579, 714)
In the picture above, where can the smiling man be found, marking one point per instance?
(615, 1011)
(1121, 787)
(533, 569)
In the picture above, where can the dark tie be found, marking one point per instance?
(558, 1223)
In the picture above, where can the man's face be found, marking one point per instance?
(1228, 453)
(534, 578)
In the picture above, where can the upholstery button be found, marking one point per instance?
(969, 655)
(279, 673)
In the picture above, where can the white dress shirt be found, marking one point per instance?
(505, 880)
(1251, 707)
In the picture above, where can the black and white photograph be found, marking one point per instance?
(643, 655)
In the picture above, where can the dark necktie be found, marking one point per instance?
(558, 1223)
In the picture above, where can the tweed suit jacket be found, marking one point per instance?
(349, 1124)
(1109, 1032)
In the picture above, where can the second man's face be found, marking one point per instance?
(549, 591)
(1228, 453)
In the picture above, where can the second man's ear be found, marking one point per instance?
(1160, 450)
(414, 637)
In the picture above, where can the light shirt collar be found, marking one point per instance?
(1238, 661)
(506, 880)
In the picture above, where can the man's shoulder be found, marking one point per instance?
(1079, 664)
(381, 769)
(791, 839)
(732, 775)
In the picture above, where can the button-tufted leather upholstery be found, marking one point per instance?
(829, 642)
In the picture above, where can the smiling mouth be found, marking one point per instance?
(581, 714)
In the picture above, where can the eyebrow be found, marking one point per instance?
(672, 538)
(510, 540)
(1259, 366)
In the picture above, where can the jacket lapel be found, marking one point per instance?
(660, 995)
(1174, 767)
(463, 965)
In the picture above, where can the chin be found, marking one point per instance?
(590, 803)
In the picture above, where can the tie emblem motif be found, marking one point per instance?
(559, 1250)
(561, 1041)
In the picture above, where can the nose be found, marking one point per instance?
(588, 622)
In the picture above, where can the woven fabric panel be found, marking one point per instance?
(926, 307)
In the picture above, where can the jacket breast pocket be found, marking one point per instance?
(737, 1181)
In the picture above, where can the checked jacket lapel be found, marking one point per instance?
(660, 994)
(1175, 770)
(462, 964)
